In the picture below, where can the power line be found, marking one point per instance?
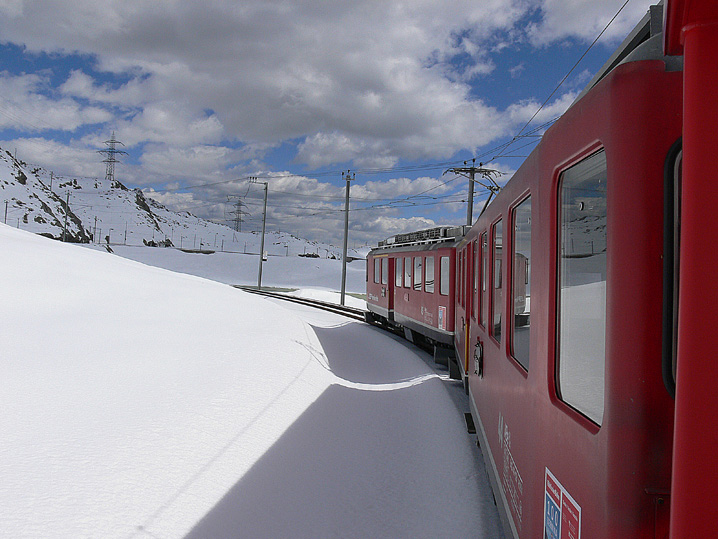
(575, 65)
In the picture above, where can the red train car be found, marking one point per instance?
(691, 30)
(411, 282)
(572, 413)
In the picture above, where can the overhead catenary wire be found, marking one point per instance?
(566, 76)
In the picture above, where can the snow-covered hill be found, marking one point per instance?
(137, 402)
(30, 204)
(107, 212)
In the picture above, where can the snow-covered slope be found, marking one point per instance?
(138, 402)
(240, 269)
(28, 203)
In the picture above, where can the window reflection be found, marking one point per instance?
(582, 293)
(417, 273)
(429, 281)
(444, 269)
(496, 292)
(521, 287)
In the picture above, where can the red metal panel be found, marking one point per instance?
(695, 473)
(681, 16)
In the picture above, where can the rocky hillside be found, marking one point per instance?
(106, 212)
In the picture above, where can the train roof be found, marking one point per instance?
(643, 43)
(427, 237)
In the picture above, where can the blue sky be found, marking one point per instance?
(205, 94)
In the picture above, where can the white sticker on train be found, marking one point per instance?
(562, 515)
(442, 317)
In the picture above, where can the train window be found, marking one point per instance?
(417, 272)
(398, 270)
(475, 305)
(444, 276)
(377, 269)
(462, 279)
(496, 291)
(521, 284)
(484, 273)
(407, 272)
(459, 265)
(470, 280)
(384, 270)
(429, 271)
(582, 286)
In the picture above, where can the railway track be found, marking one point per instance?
(349, 312)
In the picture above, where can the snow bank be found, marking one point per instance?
(242, 269)
(143, 403)
(329, 297)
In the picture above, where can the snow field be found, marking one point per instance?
(143, 403)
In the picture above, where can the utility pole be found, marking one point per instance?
(94, 234)
(348, 177)
(67, 210)
(6, 211)
(490, 184)
(52, 175)
(264, 226)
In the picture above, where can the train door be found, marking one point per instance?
(470, 302)
(461, 322)
(379, 285)
(387, 283)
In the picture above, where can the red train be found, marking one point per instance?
(588, 387)
(411, 280)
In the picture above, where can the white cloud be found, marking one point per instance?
(522, 112)
(25, 106)
(75, 159)
(586, 19)
(273, 71)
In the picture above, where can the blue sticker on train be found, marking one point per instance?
(552, 519)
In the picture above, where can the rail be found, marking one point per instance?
(350, 312)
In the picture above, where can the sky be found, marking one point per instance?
(205, 95)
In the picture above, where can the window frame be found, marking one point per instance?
(429, 286)
(418, 273)
(495, 302)
(444, 276)
(483, 315)
(577, 411)
(512, 284)
(407, 272)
